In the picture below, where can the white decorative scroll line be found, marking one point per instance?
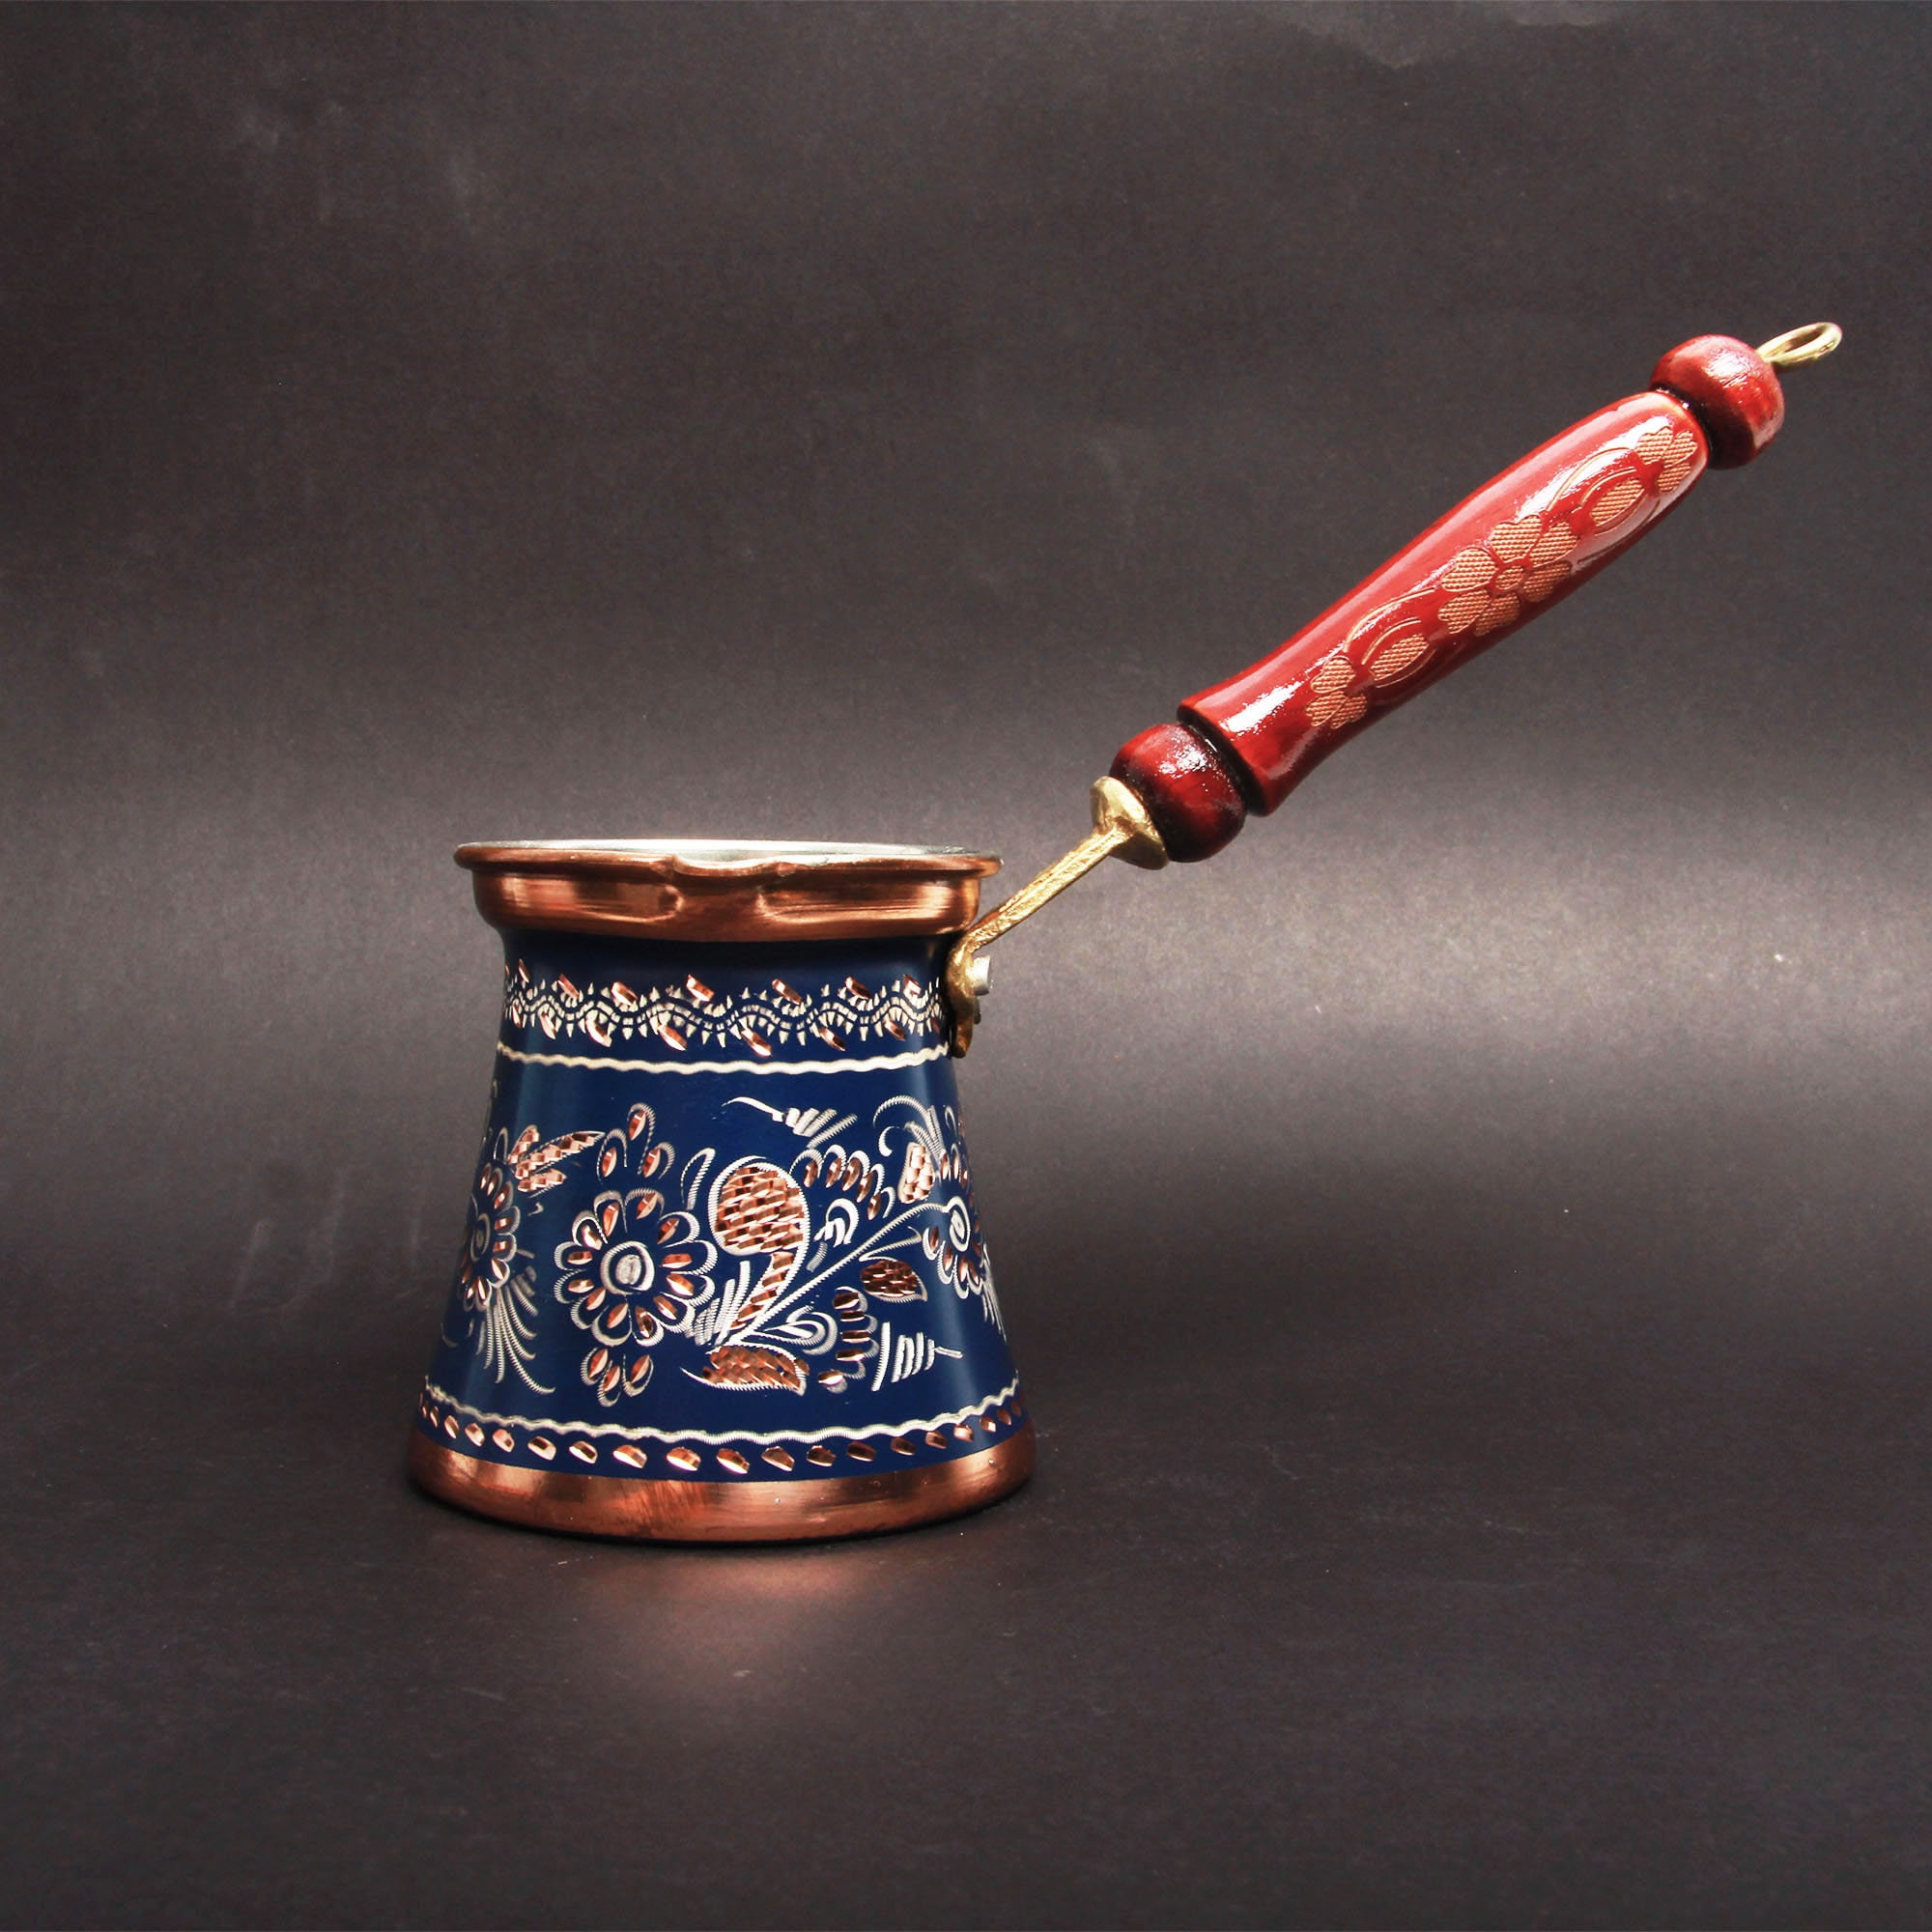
(839, 1433)
(878, 1064)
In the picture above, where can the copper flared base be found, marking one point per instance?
(672, 1512)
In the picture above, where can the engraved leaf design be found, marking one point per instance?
(757, 1208)
(1678, 463)
(887, 1279)
(919, 1172)
(1398, 655)
(1610, 505)
(529, 1161)
(739, 1365)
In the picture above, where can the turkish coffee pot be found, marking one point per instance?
(723, 1276)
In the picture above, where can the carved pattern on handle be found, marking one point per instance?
(1531, 535)
(1526, 539)
(1519, 563)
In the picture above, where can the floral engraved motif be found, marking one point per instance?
(904, 1009)
(489, 1251)
(1574, 523)
(1334, 704)
(501, 1298)
(769, 1277)
(631, 1271)
(1673, 451)
(1517, 564)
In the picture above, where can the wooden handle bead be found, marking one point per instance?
(1733, 391)
(1520, 544)
(1182, 776)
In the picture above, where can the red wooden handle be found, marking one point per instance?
(1521, 543)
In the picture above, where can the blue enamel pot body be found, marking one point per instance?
(722, 1275)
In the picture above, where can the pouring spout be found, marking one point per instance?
(1121, 829)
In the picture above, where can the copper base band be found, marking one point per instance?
(673, 1512)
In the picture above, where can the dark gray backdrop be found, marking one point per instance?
(1467, 1245)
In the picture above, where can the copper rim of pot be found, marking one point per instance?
(726, 890)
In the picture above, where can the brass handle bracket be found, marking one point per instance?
(1122, 830)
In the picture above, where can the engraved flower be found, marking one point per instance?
(490, 1245)
(1334, 704)
(956, 1245)
(527, 1165)
(1482, 587)
(950, 1235)
(1674, 451)
(631, 1271)
(501, 1298)
(1487, 585)
(1521, 562)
